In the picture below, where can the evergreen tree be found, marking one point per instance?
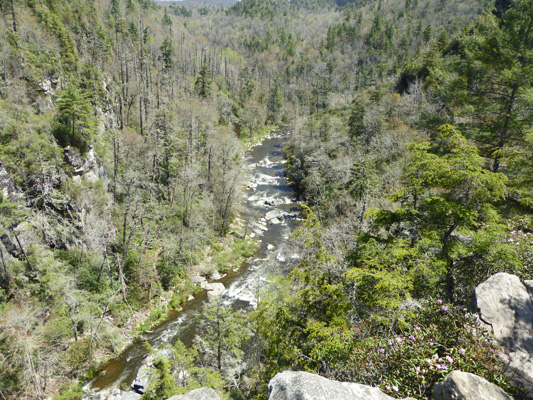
(167, 54)
(223, 332)
(275, 103)
(446, 190)
(203, 82)
(491, 82)
(74, 109)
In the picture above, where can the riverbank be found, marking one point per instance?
(250, 233)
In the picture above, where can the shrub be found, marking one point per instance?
(437, 339)
(70, 392)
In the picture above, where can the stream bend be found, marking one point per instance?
(270, 214)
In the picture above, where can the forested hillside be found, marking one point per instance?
(123, 125)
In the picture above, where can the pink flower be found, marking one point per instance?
(439, 301)
(449, 359)
(462, 351)
(390, 342)
(395, 388)
(417, 327)
(381, 351)
(444, 308)
(412, 338)
(399, 340)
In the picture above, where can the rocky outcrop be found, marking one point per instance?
(289, 385)
(87, 167)
(49, 88)
(7, 187)
(505, 305)
(198, 394)
(460, 385)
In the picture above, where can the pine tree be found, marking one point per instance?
(203, 82)
(490, 82)
(74, 108)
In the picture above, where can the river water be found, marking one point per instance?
(270, 214)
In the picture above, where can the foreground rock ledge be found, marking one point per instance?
(289, 385)
(198, 394)
(506, 307)
(460, 385)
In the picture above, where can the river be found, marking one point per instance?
(270, 214)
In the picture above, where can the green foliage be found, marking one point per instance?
(491, 81)
(494, 248)
(180, 372)
(74, 117)
(446, 189)
(72, 391)
(384, 274)
(180, 10)
(223, 333)
(409, 359)
(355, 123)
(54, 23)
(156, 316)
(167, 54)
(166, 19)
(239, 251)
(79, 355)
(296, 314)
(163, 387)
(275, 104)
(203, 82)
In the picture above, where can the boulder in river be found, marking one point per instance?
(274, 214)
(270, 201)
(291, 385)
(215, 289)
(198, 394)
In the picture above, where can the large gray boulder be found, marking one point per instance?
(506, 307)
(216, 289)
(274, 214)
(198, 394)
(460, 385)
(290, 385)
